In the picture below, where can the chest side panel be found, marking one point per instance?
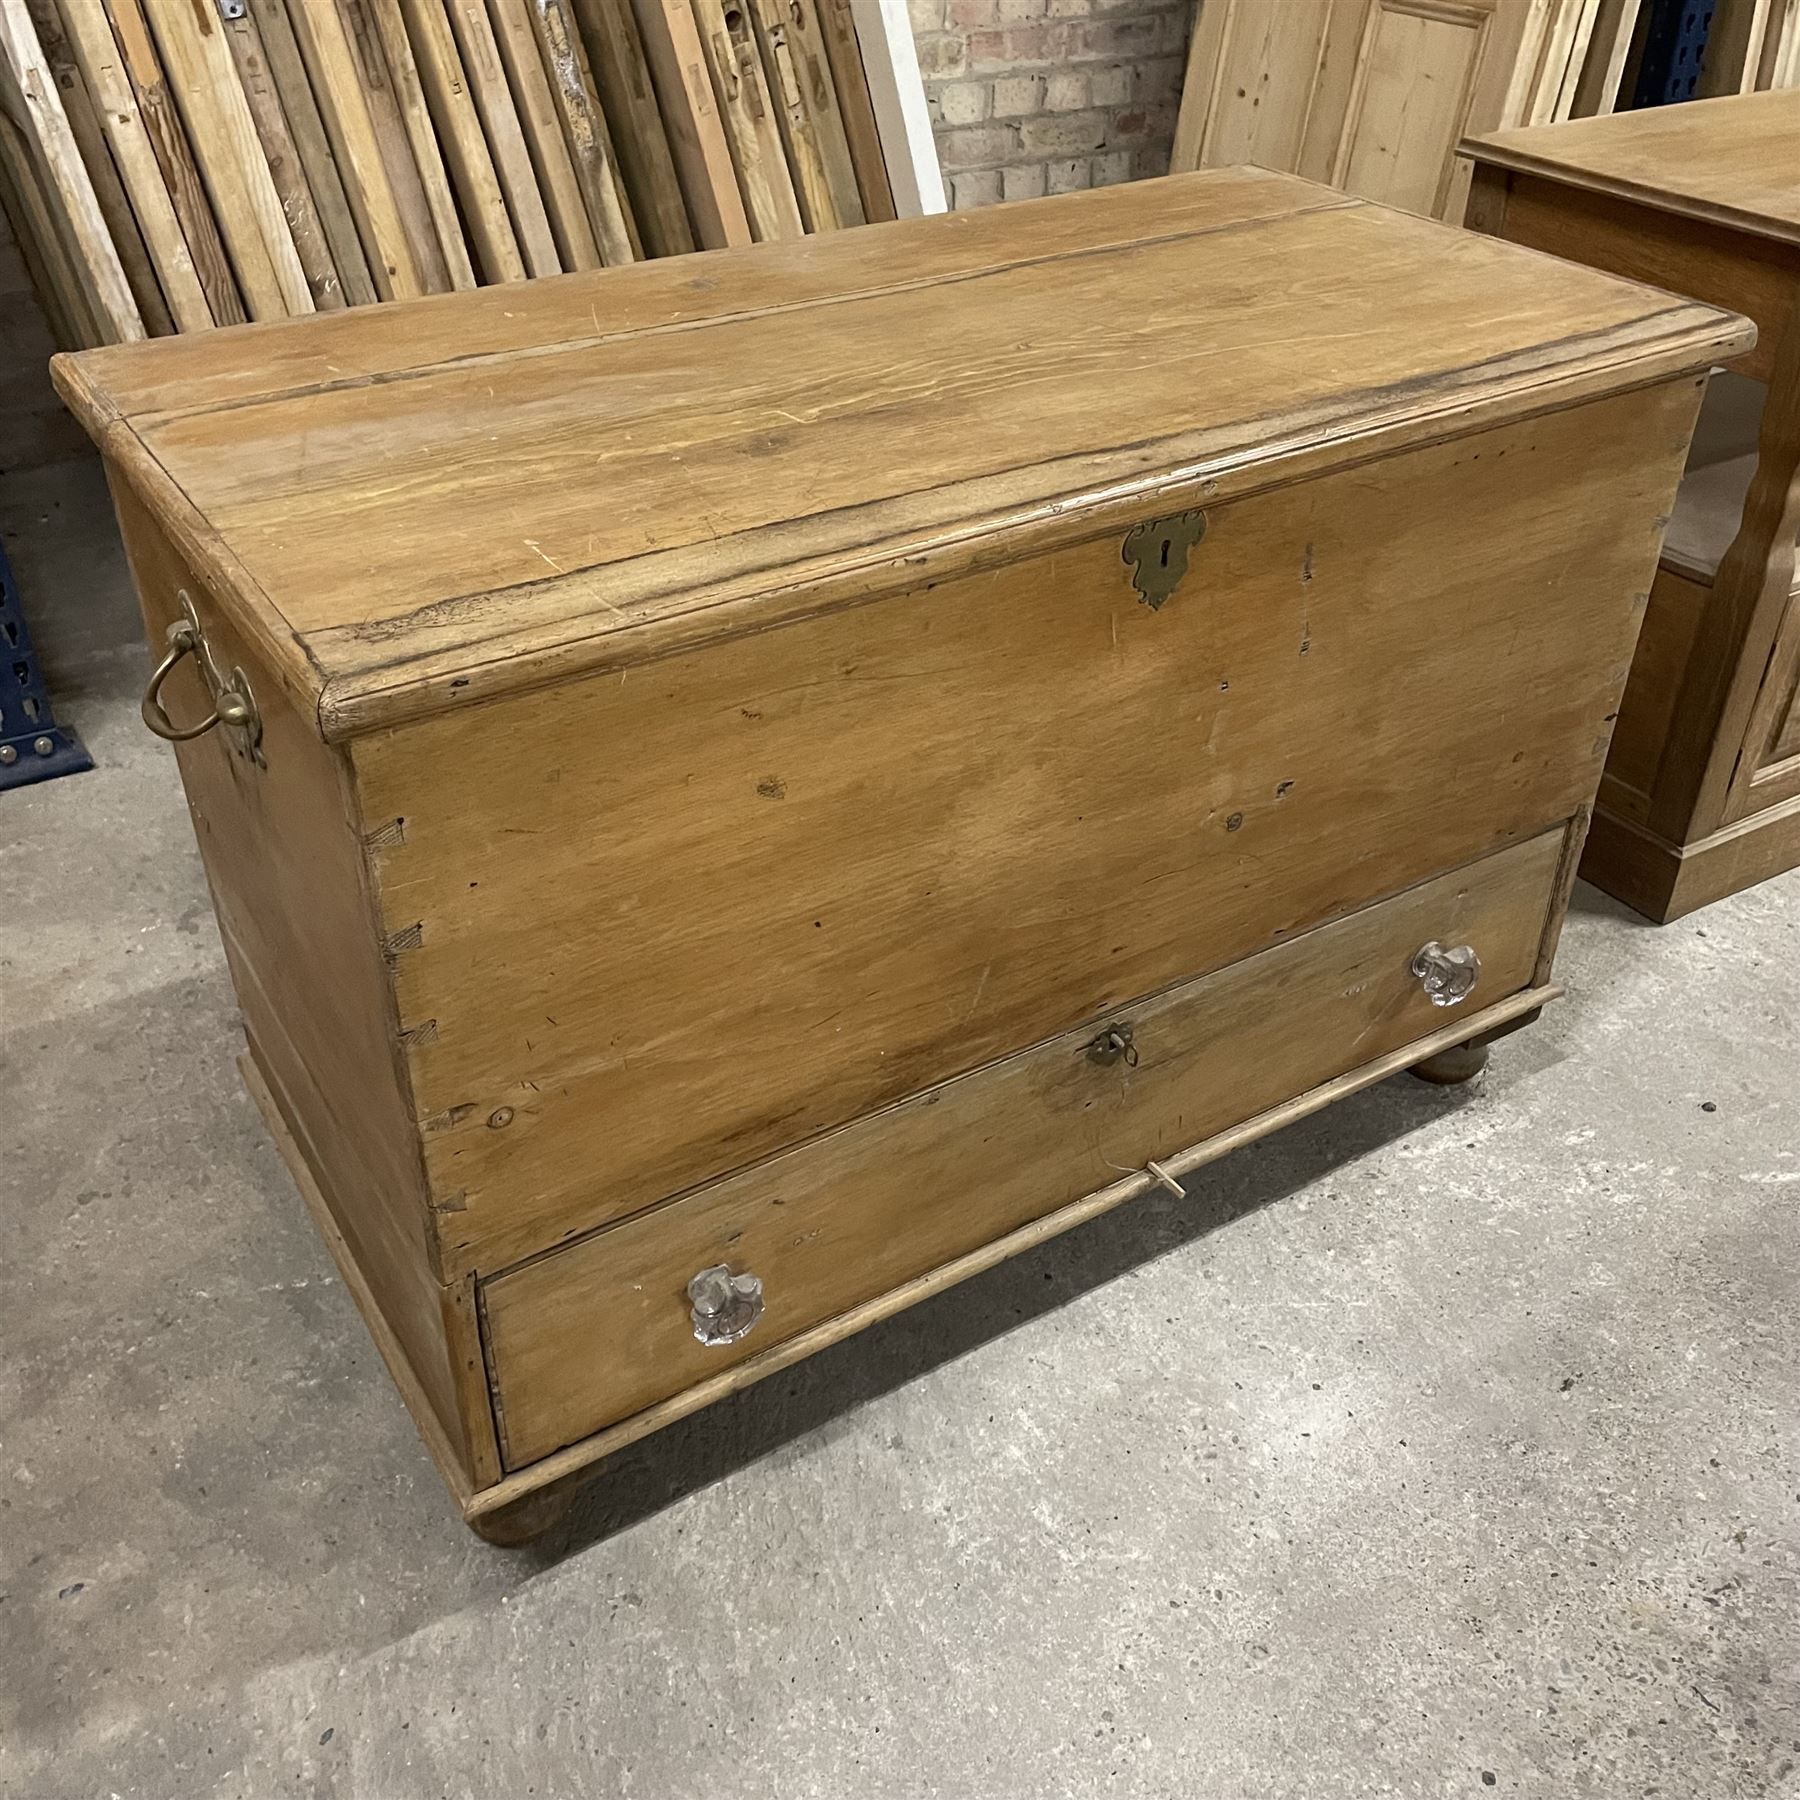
(298, 924)
(661, 923)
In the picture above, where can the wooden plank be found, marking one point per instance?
(312, 143)
(585, 131)
(1559, 47)
(891, 62)
(29, 93)
(423, 218)
(186, 377)
(850, 81)
(97, 55)
(696, 133)
(337, 85)
(66, 309)
(496, 250)
(1586, 15)
(415, 115)
(1784, 68)
(818, 153)
(1768, 52)
(67, 330)
(1607, 55)
(506, 138)
(90, 139)
(748, 111)
(191, 41)
(617, 54)
(541, 121)
(283, 157)
(1527, 63)
(181, 178)
(1199, 85)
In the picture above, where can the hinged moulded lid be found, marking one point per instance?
(413, 506)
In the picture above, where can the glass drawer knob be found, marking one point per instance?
(1447, 975)
(725, 1306)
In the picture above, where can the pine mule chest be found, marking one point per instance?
(748, 788)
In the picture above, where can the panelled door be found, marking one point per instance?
(1368, 95)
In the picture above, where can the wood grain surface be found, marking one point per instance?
(696, 133)
(586, 1336)
(918, 428)
(621, 74)
(312, 141)
(90, 38)
(1089, 800)
(286, 866)
(1730, 160)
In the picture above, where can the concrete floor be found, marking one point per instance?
(1446, 1444)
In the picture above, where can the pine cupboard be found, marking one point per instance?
(1701, 796)
(748, 788)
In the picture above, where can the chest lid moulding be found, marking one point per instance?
(734, 693)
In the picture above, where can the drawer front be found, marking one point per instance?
(689, 914)
(591, 1333)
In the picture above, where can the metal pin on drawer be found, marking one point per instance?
(1113, 1045)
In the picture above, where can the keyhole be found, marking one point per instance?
(1168, 544)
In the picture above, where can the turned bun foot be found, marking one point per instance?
(524, 1520)
(1449, 1068)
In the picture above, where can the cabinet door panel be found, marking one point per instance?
(1369, 95)
(1253, 72)
(1413, 89)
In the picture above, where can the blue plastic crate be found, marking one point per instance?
(1674, 51)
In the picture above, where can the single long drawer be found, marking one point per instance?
(592, 1332)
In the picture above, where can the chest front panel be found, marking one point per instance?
(654, 924)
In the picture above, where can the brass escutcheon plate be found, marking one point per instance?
(1157, 551)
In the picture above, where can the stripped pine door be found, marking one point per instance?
(1369, 95)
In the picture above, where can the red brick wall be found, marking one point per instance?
(1041, 96)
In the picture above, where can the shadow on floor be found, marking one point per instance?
(758, 1421)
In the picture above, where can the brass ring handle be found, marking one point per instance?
(232, 705)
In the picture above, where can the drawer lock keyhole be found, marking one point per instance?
(1157, 552)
